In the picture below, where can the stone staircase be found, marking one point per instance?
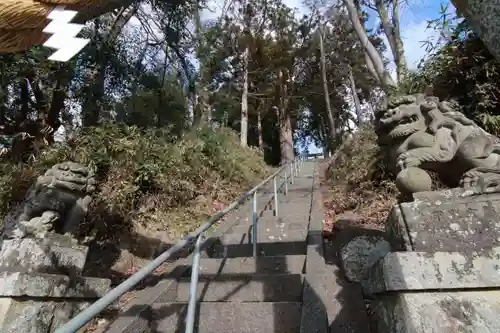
(277, 292)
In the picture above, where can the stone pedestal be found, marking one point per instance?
(444, 272)
(41, 286)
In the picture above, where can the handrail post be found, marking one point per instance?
(254, 224)
(275, 198)
(195, 271)
(82, 318)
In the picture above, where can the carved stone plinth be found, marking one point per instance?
(52, 254)
(41, 286)
(444, 272)
(447, 221)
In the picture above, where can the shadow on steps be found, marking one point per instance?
(353, 313)
(241, 303)
(163, 311)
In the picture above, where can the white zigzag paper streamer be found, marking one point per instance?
(64, 33)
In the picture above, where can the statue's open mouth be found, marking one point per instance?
(407, 120)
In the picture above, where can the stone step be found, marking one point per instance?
(244, 288)
(268, 205)
(272, 242)
(280, 317)
(294, 195)
(261, 265)
(278, 248)
(265, 235)
(270, 226)
(267, 220)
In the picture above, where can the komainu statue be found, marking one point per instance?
(57, 202)
(423, 134)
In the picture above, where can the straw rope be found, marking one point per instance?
(14, 14)
(19, 40)
(22, 21)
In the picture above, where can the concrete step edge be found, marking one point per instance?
(256, 317)
(257, 277)
(247, 288)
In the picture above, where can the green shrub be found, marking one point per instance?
(151, 177)
(360, 159)
(360, 182)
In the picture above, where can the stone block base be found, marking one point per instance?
(29, 316)
(439, 312)
(54, 254)
(443, 275)
(446, 221)
(405, 271)
(41, 286)
(52, 285)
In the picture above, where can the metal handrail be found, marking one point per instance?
(199, 234)
(195, 268)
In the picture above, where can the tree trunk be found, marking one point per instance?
(355, 97)
(3, 96)
(286, 135)
(285, 123)
(121, 19)
(199, 95)
(25, 102)
(259, 131)
(329, 113)
(326, 143)
(370, 67)
(92, 105)
(209, 116)
(391, 30)
(3, 109)
(244, 102)
(372, 111)
(375, 57)
(52, 115)
(402, 66)
(160, 93)
(197, 110)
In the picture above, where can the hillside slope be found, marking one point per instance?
(357, 188)
(154, 187)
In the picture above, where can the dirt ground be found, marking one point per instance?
(353, 205)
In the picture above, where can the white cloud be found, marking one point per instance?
(298, 6)
(213, 10)
(413, 36)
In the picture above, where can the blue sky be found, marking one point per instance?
(414, 16)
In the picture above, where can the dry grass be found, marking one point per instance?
(356, 185)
